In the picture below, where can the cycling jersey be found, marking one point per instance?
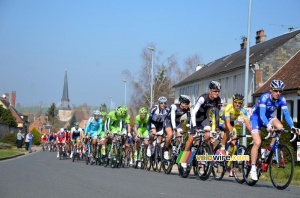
(93, 127)
(117, 124)
(201, 110)
(61, 137)
(76, 132)
(157, 117)
(174, 116)
(263, 109)
(234, 114)
(142, 125)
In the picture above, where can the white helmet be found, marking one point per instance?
(96, 112)
(277, 84)
(162, 99)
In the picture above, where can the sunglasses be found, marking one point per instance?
(163, 103)
(277, 90)
(240, 103)
(216, 91)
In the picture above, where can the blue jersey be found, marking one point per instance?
(265, 106)
(93, 126)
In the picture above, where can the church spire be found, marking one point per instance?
(65, 97)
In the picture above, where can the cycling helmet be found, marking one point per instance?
(277, 84)
(162, 99)
(76, 124)
(238, 97)
(96, 113)
(184, 99)
(214, 85)
(121, 110)
(103, 114)
(143, 110)
(62, 130)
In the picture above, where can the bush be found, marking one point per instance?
(10, 139)
(4, 145)
(36, 137)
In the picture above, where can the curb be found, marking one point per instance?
(10, 157)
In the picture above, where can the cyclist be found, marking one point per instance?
(103, 131)
(118, 122)
(92, 130)
(262, 116)
(51, 139)
(231, 122)
(200, 113)
(141, 129)
(68, 139)
(157, 117)
(44, 140)
(172, 123)
(76, 136)
(60, 139)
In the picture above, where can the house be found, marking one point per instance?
(289, 74)
(21, 119)
(266, 58)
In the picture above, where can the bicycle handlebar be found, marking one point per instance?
(279, 131)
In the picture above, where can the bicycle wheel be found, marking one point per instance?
(147, 161)
(167, 165)
(218, 167)
(158, 158)
(237, 165)
(204, 168)
(246, 167)
(281, 173)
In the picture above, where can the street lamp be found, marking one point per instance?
(125, 91)
(151, 89)
(110, 102)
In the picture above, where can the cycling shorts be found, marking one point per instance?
(256, 123)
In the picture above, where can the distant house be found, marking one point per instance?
(267, 58)
(21, 120)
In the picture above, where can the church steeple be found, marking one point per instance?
(65, 97)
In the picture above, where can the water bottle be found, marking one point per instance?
(263, 151)
(193, 149)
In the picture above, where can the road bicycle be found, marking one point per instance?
(157, 155)
(279, 161)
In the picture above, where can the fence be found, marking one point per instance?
(4, 129)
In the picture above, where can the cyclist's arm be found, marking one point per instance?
(285, 112)
(197, 106)
(87, 128)
(263, 110)
(173, 116)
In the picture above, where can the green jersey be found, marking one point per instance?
(141, 123)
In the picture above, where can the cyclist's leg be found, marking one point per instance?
(94, 144)
(278, 125)
(255, 132)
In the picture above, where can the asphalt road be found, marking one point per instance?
(40, 174)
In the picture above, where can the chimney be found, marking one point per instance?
(258, 78)
(13, 99)
(244, 43)
(260, 36)
(6, 96)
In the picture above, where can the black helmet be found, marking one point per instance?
(214, 85)
(237, 96)
(184, 99)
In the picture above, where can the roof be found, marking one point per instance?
(289, 74)
(236, 60)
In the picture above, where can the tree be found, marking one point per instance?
(52, 114)
(72, 122)
(166, 74)
(36, 136)
(7, 118)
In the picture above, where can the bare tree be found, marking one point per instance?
(165, 76)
